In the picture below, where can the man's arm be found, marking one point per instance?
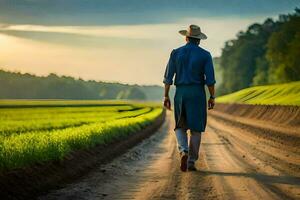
(211, 89)
(168, 80)
(210, 81)
(211, 101)
(167, 89)
(167, 102)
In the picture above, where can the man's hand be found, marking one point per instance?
(167, 103)
(211, 103)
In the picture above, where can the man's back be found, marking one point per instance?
(191, 64)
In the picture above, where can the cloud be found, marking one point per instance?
(4, 26)
(80, 40)
(91, 36)
(121, 31)
(149, 36)
(116, 12)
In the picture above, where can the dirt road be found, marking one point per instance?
(235, 163)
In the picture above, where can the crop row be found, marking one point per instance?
(20, 150)
(48, 121)
(23, 114)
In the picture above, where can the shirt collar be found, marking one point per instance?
(191, 44)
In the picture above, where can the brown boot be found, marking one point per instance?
(183, 161)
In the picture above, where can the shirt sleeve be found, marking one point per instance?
(209, 71)
(170, 70)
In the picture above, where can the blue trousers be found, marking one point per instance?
(192, 147)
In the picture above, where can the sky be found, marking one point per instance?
(117, 40)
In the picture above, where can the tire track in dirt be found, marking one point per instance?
(231, 177)
(276, 176)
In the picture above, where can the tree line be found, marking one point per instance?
(266, 53)
(15, 85)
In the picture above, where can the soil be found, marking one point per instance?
(238, 160)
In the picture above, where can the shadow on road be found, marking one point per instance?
(291, 180)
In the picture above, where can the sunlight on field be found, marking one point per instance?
(281, 94)
(48, 130)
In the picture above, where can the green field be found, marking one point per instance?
(281, 94)
(39, 131)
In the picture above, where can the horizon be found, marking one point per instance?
(75, 78)
(88, 41)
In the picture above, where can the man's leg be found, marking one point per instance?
(182, 144)
(194, 145)
(182, 141)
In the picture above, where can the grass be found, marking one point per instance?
(36, 134)
(280, 94)
(16, 121)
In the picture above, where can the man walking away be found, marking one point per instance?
(193, 68)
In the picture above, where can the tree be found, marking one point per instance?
(283, 52)
(264, 53)
(27, 86)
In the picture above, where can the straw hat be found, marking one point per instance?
(193, 31)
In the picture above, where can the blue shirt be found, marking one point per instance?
(191, 64)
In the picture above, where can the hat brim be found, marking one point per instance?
(201, 36)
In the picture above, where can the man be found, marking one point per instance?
(193, 68)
